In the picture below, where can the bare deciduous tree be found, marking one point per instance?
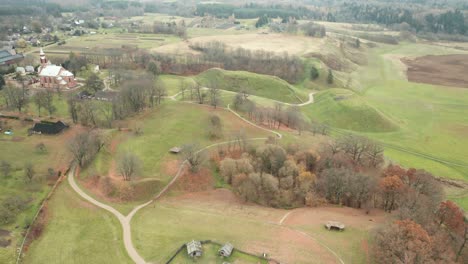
(85, 146)
(129, 165)
(29, 171)
(192, 154)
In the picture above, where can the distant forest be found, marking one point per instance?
(427, 16)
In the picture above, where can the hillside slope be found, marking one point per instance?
(256, 84)
(344, 109)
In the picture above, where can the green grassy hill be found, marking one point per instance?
(256, 84)
(344, 109)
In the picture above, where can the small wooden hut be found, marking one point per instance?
(333, 225)
(194, 248)
(175, 150)
(226, 250)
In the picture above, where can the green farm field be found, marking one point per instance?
(419, 118)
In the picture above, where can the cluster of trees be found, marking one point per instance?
(173, 28)
(252, 10)
(85, 146)
(343, 172)
(262, 21)
(447, 21)
(312, 29)
(272, 117)
(271, 176)
(10, 207)
(428, 229)
(289, 68)
(133, 97)
(349, 172)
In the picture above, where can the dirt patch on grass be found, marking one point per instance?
(195, 182)
(447, 70)
(5, 240)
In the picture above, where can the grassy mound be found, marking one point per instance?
(344, 109)
(257, 84)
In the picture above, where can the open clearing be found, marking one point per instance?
(18, 150)
(169, 125)
(279, 43)
(218, 215)
(448, 70)
(77, 232)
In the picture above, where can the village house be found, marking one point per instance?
(9, 56)
(54, 76)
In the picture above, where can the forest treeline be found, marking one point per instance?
(416, 17)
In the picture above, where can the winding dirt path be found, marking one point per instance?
(308, 102)
(125, 221)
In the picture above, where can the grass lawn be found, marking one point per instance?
(77, 232)
(173, 83)
(256, 84)
(171, 124)
(94, 44)
(344, 109)
(175, 124)
(158, 230)
(18, 150)
(429, 119)
(348, 245)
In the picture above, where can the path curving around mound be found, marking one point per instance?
(308, 102)
(125, 221)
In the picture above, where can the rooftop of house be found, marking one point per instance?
(49, 127)
(54, 70)
(193, 246)
(6, 55)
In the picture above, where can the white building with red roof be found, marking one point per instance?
(54, 76)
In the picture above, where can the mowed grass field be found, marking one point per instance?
(432, 119)
(344, 109)
(256, 84)
(419, 118)
(95, 44)
(175, 124)
(18, 150)
(77, 232)
(168, 125)
(159, 229)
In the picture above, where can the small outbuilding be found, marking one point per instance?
(226, 250)
(29, 69)
(333, 225)
(20, 70)
(49, 128)
(194, 248)
(175, 150)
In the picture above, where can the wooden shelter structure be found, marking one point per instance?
(194, 248)
(175, 150)
(226, 250)
(335, 225)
